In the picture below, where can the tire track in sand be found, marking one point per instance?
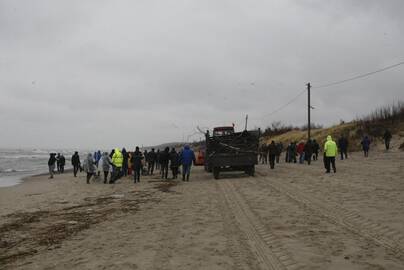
(236, 241)
(269, 252)
(168, 234)
(350, 220)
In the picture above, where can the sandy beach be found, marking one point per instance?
(293, 217)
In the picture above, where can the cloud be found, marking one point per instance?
(100, 74)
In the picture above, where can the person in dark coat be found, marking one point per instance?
(58, 162)
(51, 164)
(387, 138)
(272, 150)
(279, 149)
(164, 159)
(158, 159)
(137, 164)
(151, 160)
(365, 146)
(291, 152)
(125, 156)
(316, 149)
(308, 151)
(343, 147)
(62, 163)
(76, 163)
(187, 157)
(174, 162)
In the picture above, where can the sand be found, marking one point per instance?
(293, 217)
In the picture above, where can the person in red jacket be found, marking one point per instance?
(300, 151)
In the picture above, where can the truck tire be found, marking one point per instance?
(216, 172)
(250, 170)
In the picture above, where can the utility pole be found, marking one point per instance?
(308, 111)
(246, 121)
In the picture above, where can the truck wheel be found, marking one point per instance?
(250, 170)
(216, 172)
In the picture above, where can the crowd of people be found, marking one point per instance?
(57, 161)
(121, 163)
(306, 152)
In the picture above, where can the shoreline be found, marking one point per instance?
(15, 180)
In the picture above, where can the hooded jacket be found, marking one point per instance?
(330, 147)
(106, 162)
(117, 158)
(187, 156)
(88, 165)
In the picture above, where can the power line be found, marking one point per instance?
(359, 76)
(284, 105)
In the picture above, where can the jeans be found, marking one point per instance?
(186, 171)
(301, 158)
(136, 174)
(75, 169)
(272, 161)
(164, 170)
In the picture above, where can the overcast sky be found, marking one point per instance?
(100, 74)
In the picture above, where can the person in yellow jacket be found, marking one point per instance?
(330, 152)
(117, 161)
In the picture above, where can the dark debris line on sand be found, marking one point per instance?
(29, 232)
(165, 186)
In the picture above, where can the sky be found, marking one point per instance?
(103, 74)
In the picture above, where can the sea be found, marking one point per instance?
(16, 164)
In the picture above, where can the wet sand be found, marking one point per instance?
(293, 217)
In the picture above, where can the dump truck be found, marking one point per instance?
(227, 150)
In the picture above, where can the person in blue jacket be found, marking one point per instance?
(187, 156)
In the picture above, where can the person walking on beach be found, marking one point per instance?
(316, 149)
(279, 149)
(187, 157)
(308, 151)
(97, 157)
(89, 167)
(330, 152)
(264, 154)
(158, 159)
(124, 162)
(272, 151)
(58, 162)
(117, 160)
(343, 147)
(106, 165)
(51, 164)
(174, 162)
(300, 151)
(387, 138)
(137, 164)
(151, 160)
(365, 146)
(76, 163)
(130, 163)
(62, 162)
(164, 159)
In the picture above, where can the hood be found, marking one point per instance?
(329, 138)
(186, 147)
(117, 151)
